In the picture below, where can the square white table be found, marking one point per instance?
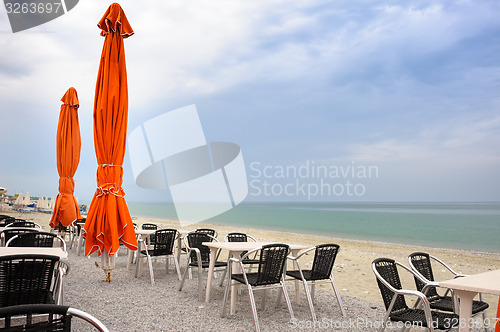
(56, 251)
(235, 249)
(468, 287)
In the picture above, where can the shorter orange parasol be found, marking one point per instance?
(66, 208)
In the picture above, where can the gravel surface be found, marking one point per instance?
(133, 304)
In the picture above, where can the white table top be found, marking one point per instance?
(5, 251)
(144, 231)
(487, 282)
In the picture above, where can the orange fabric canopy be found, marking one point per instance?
(108, 220)
(68, 157)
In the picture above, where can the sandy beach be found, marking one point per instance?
(352, 273)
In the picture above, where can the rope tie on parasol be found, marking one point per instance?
(74, 106)
(104, 192)
(108, 165)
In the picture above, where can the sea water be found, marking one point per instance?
(474, 226)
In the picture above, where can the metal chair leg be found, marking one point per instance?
(151, 274)
(337, 295)
(222, 279)
(287, 298)
(254, 308)
(184, 277)
(200, 285)
(309, 299)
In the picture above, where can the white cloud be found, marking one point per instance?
(394, 82)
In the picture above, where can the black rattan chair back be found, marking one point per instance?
(152, 238)
(209, 231)
(237, 237)
(26, 279)
(388, 270)
(271, 263)
(324, 258)
(146, 226)
(422, 262)
(7, 234)
(34, 239)
(164, 244)
(195, 240)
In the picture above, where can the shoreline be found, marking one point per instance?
(352, 270)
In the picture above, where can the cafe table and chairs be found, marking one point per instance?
(234, 250)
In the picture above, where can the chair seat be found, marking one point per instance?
(206, 265)
(445, 303)
(251, 277)
(307, 275)
(152, 253)
(441, 320)
(250, 261)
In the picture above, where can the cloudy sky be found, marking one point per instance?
(409, 89)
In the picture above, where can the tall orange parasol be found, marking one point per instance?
(108, 220)
(68, 156)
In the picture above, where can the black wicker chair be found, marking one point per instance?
(29, 279)
(242, 237)
(163, 246)
(389, 283)
(198, 256)
(7, 233)
(420, 263)
(147, 226)
(320, 272)
(209, 231)
(269, 275)
(36, 239)
(152, 227)
(44, 317)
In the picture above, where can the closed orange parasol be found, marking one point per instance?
(68, 156)
(108, 220)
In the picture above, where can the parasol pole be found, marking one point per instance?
(107, 264)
